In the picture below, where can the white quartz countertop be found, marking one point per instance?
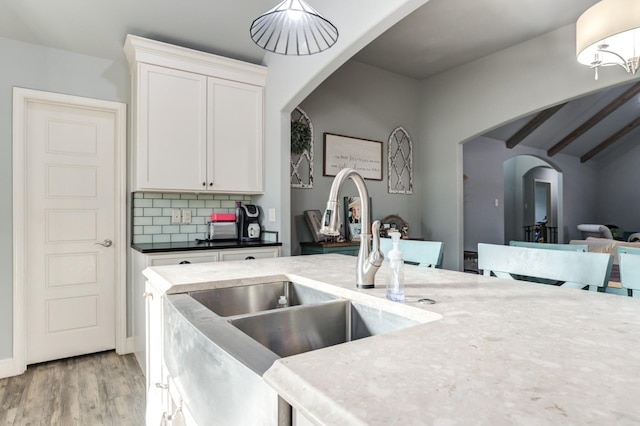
(495, 352)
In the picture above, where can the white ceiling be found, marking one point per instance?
(440, 35)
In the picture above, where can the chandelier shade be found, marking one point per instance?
(293, 28)
(608, 33)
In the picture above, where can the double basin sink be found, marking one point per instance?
(312, 320)
(218, 343)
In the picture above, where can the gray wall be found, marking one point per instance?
(465, 102)
(618, 193)
(483, 164)
(365, 102)
(36, 67)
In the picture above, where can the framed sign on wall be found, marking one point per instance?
(363, 155)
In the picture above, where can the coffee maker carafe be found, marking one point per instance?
(249, 222)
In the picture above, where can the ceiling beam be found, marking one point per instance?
(595, 119)
(532, 125)
(610, 140)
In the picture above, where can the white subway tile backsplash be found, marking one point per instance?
(228, 204)
(141, 220)
(151, 220)
(162, 238)
(141, 202)
(171, 229)
(142, 239)
(178, 238)
(152, 229)
(179, 203)
(187, 229)
(152, 211)
(162, 220)
(161, 203)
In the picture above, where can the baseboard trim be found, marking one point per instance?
(7, 368)
(128, 346)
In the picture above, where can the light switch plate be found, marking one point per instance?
(186, 216)
(176, 216)
(272, 215)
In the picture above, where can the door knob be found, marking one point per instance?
(105, 243)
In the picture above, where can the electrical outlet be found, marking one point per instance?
(186, 216)
(272, 215)
(175, 216)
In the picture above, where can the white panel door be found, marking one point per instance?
(70, 193)
(235, 136)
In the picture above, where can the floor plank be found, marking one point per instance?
(97, 389)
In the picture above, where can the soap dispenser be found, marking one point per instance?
(395, 272)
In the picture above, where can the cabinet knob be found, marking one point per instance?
(184, 262)
(204, 183)
(211, 184)
(147, 294)
(249, 258)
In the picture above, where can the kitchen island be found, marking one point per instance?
(497, 352)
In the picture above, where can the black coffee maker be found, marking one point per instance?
(248, 222)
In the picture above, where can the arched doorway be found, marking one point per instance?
(532, 190)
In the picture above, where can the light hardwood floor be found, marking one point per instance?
(97, 389)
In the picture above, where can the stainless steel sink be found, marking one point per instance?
(301, 329)
(257, 297)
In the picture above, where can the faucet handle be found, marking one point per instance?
(376, 254)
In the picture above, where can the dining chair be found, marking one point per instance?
(569, 247)
(423, 253)
(569, 268)
(629, 264)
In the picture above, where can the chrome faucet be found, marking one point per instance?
(369, 259)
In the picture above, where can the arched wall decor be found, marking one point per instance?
(400, 164)
(302, 164)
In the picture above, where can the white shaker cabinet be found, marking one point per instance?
(197, 120)
(171, 137)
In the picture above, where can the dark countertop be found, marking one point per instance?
(193, 245)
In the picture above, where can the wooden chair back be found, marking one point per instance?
(423, 253)
(568, 247)
(571, 268)
(629, 264)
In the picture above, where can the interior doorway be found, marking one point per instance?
(532, 189)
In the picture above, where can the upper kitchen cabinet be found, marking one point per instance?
(197, 120)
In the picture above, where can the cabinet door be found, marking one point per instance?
(235, 134)
(171, 133)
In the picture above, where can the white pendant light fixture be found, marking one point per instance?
(293, 28)
(609, 34)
